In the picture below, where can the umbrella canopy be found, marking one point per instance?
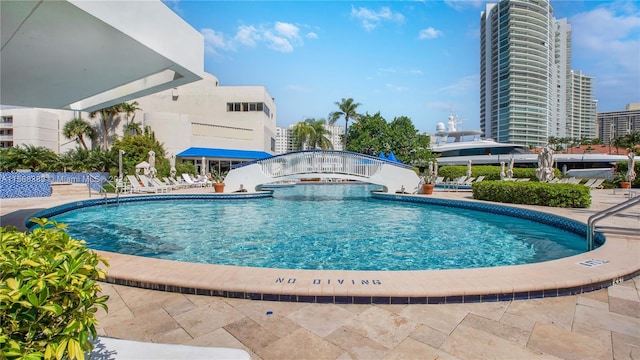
(503, 174)
(631, 172)
(510, 169)
(172, 163)
(435, 169)
(381, 156)
(203, 170)
(152, 163)
(392, 157)
(469, 168)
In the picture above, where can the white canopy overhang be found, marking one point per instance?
(87, 55)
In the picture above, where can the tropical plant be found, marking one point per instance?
(49, 293)
(311, 134)
(108, 117)
(218, 176)
(128, 109)
(348, 111)
(34, 158)
(78, 128)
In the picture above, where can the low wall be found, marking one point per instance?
(36, 184)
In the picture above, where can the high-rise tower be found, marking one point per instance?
(527, 88)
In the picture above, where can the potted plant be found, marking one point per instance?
(428, 183)
(217, 177)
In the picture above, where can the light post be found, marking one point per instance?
(120, 166)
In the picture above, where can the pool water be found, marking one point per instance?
(319, 227)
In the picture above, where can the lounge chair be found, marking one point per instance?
(597, 184)
(147, 183)
(161, 184)
(589, 182)
(175, 183)
(188, 180)
(136, 187)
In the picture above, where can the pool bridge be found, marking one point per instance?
(323, 164)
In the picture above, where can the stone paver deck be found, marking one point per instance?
(603, 324)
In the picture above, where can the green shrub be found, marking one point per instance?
(48, 293)
(533, 193)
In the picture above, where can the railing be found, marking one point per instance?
(593, 219)
(322, 162)
(102, 190)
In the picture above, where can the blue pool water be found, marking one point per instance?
(319, 227)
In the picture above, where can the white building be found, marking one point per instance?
(285, 142)
(37, 127)
(204, 119)
(527, 89)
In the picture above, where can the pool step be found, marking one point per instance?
(66, 189)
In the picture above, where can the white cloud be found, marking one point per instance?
(463, 85)
(214, 41)
(371, 19)
(610, 36)
(247, 35)
(311, 35)
(429, 33)
(396, 88)
(277, 43)
(287, 30)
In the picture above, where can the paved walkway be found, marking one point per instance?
(604, 324)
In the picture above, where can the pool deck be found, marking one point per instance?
(603, 324)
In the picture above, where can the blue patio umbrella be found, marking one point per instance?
(392, 157)
(381, 156)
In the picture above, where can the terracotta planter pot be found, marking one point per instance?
(218, 187)
(427, 189)
(625, 184)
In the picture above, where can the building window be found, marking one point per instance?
(7, 119)
(246, 106)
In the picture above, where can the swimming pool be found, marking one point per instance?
(319, 227)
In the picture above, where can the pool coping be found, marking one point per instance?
(615, 261)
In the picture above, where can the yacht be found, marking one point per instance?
(457, 147)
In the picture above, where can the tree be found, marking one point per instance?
(78, 129)
(371, 135)
(107, 116)
(35, 158)
(348, 110)
(128, 109)
(311, 133)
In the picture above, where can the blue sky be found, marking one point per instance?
(401, 58)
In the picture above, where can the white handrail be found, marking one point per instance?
(324, 162)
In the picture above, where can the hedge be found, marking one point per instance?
(533, 193)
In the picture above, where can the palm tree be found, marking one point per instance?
(311, 133)
(106, 115)
(36, 158)
(128, 109)
(78, 128)
(348, 110)
(132, 129)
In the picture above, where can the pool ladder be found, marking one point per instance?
(593, 219)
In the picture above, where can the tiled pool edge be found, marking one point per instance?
(339, 297)
(369, 300)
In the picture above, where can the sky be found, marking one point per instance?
(418, 59)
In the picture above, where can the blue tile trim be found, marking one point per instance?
(60, 209)
(455, 299)
(560, 222)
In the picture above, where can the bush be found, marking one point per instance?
(533, 193)
(48, 293)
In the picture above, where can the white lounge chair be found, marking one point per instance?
(597, 184)
(147, 183)
(136, 187)
(161, 184)
(188, 180)
(175, 183)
